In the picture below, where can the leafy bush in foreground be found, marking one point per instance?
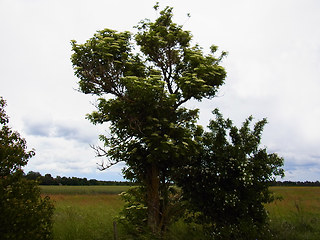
(24, 214)
(227, 185)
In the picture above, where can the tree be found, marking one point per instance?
(33, 175)
(47, 179)
(141, 95)
(227, 184)
(24, 213)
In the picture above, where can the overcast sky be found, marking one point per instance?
(273, 71)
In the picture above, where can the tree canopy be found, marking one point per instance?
(150, 129)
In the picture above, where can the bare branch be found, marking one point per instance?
(101, 152)
(103, 166)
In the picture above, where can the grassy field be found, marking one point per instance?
(297, 215)
(84, 212)
(85, 216)
(88, 213)
(86, 190)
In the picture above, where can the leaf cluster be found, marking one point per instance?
(187, 72)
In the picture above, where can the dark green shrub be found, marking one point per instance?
(227, 184)
(24, 214)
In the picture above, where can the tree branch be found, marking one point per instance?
(101, 152)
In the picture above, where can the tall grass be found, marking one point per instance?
(84, 212)
(89, 190)
(85, 217)
(88, 212)
(297, 215)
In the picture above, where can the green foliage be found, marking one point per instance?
(227, 185)
(141, 96)
(107, 52)
(24, 213)
(146, 119)
(187, 72)
(134, 214)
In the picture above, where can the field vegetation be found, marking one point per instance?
(85, 216)
(296, 214)
(82, 190)
(84, 212)
(88, 212)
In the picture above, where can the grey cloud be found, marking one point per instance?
(34, 128)
(302, 168)
(315, 157)
(293, 166)
(69, 132)
(67, 129)
(77, 131)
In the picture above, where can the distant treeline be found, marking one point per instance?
(47, 179)
(298, 183)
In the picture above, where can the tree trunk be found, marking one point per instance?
(153, 198)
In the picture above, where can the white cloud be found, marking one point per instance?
(273, 70)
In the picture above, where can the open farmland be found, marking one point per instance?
(88, 212)
(86, 190)
(84, 212)
(297, 215)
